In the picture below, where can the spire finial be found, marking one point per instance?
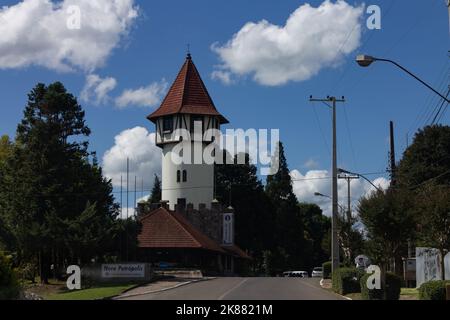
(188, 55)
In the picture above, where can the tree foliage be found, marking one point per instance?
(54, 198)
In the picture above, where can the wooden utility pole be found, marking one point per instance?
(392, 163)
(349, 178)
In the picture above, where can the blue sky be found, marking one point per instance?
(416, 34)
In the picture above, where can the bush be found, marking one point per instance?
(393, 286)
(392, 289)
(433, 290)
(326, 266)
(346, 280)
(9, 286)
(27, 271)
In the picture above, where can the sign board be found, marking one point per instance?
(427, 265)
(362, 261)
(228, 229)
(447, 266)
(119, 270)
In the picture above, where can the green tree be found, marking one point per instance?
(155, 196)
(289, 227)
(389, 225)
(6, 150)
(317, 226)
(55, 200)
(238, 185)
(428, 157)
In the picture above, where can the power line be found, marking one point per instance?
(440, 108)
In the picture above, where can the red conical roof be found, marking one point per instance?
(187, 94)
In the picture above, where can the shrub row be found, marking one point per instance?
(392, 288)
(433, 290)
(346, 280)
(326, 267)
(353, 280)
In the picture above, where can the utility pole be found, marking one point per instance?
(135, 195)
(334, 221)
(128, 198)
(392, 163)
(128, 171)
(349, 178)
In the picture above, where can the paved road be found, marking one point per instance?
(246, 289)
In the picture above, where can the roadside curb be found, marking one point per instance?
(161, 290)
(321, 285)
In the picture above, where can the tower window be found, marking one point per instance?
(168, 124)
(184, 176)
(178, 175)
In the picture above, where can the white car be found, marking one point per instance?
(317, 272)
(299, 274)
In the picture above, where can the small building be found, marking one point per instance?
(189, 228)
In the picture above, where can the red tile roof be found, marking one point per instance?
(165, 229)
(188, 94)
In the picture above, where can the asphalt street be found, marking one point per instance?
(231, 288)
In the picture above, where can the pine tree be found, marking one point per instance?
(155, 196)
(56, 202)
(289, 228)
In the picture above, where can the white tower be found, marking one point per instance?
(187, 104)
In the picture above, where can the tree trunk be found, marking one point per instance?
(44, 267)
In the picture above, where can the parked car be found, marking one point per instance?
(317, 272)
(299, 274)
(287, 273)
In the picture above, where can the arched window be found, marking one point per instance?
(184, 175)
(178, 175)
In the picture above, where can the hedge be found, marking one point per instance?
(433, 290)
(326, 267)
(346, 280)
(393, 287)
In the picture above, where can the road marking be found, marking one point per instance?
(232, 289)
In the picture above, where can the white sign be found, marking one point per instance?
(228, 236)
(123, 270)
(447, 266)
(427, 265)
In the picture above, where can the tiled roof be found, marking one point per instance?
(187, 94)
(165, 229)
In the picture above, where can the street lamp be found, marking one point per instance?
(318, 194)
(360, 175)
(366, 60)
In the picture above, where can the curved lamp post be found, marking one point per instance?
(360, 175)
(366, 60)
(318, 194)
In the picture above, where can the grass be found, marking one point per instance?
(409, 294)
(98, 292)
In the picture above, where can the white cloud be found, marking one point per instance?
(223, 76)
(311, 164)
(148, 96)
(309, 41)
(138, 145)
(306, 185)
(35, 32)
(97, 89)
